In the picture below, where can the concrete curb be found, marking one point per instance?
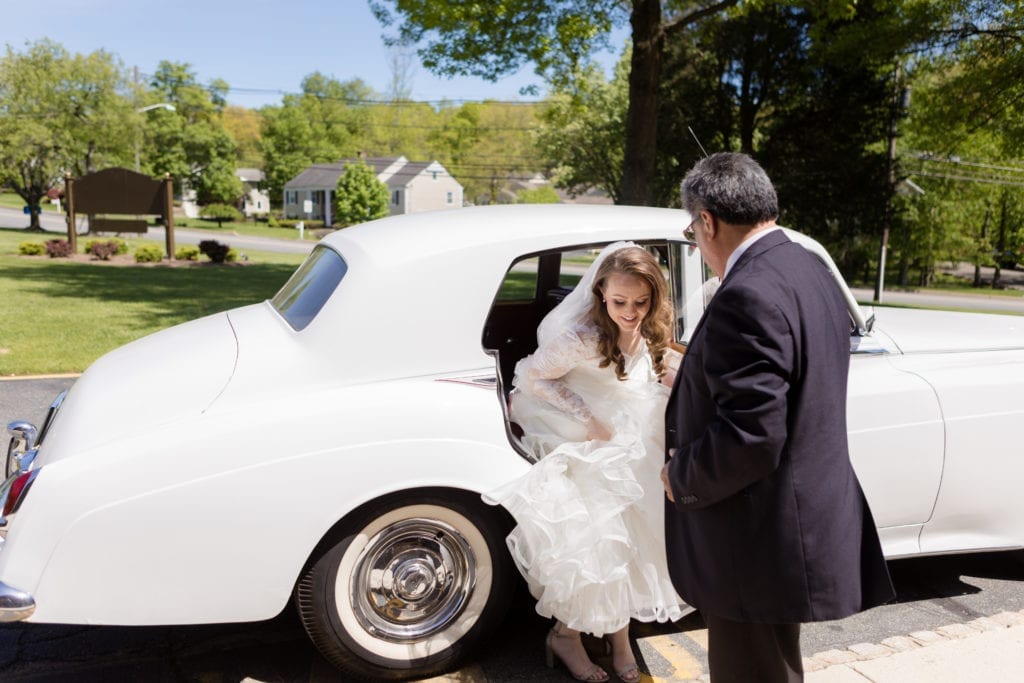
(978, 642)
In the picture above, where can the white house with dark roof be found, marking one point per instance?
(254, 201)
(414, 186)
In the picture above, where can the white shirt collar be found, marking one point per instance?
(743, 246)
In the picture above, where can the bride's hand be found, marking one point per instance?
(597, 431)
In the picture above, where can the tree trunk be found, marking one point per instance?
(1000, 243)
(638, 162)
(977, 259)
(33, 222)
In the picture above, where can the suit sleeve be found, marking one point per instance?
(747, 362)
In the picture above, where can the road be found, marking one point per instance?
(977, 302)
(932, 592)
(52, 222)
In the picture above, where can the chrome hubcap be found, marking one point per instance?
(412, 579)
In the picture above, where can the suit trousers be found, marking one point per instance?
(744, 652)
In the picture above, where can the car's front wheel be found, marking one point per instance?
(407, 585)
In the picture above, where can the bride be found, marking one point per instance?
(591, 402)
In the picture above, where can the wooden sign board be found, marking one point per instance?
(118, 225)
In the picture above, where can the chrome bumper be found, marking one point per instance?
(14, 604)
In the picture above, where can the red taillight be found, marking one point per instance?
(18, 490)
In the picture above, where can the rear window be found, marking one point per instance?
(308, 289)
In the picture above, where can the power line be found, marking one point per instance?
(972, 179)
(924, 156)
(357, 100)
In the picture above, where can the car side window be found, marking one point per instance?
(520, 283)
(309, 288)
(690, 289)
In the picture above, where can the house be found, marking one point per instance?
(414, 186)
(254, 201)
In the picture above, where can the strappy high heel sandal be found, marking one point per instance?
(627, 674)
(593, 674)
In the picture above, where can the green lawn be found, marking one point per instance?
(250, 228)
(59, 316)
(13, 201)
(222, 234)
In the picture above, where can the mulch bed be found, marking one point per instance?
(129, 260)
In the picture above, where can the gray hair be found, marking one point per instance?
(731, 186)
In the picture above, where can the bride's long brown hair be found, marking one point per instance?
(656, 327)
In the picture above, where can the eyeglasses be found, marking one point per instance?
(688, 233)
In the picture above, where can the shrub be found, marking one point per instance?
(189, 252)
(294, 223)
(220, 213)
(32, 248)
(231, 256)
(148, 253)
(118, 246)
(214, 250)
(271, 222)
(58, 248)
(102, 249)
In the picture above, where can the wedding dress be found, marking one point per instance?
(590, 514)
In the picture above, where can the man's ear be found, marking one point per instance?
(709, 224)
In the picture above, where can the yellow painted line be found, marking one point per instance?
(700, 636)
(685, 665)
(467, 674)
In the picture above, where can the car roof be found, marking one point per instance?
(501, 230)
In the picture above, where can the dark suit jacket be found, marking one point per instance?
(770, 524)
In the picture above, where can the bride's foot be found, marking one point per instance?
(623, 660)
(565, 644)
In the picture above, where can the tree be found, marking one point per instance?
(359, 196)
(191, 142)
(558, 37)
(486, 144)
(545, 194)
(324, 123)
(582, 135)
(62, 114)
(220, 213)
(244, 127)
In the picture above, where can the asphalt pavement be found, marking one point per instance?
(29, 399)
(54, 223)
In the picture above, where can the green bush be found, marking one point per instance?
(148, 253)
(294, 223)
(58, 248)
(220, 213)
(231, 256)
(189, 252)
(31, 248)
(271, 222)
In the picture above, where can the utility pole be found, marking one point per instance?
(899, 97)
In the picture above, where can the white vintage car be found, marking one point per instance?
(329, 448)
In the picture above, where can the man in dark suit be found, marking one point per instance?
(767, 525)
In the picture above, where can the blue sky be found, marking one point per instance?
(260, 47)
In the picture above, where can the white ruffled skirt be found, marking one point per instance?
(590, 535)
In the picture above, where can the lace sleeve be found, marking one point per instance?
(543, 373)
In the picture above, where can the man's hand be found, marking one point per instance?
(666, 484)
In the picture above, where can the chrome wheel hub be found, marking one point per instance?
(412, 579)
